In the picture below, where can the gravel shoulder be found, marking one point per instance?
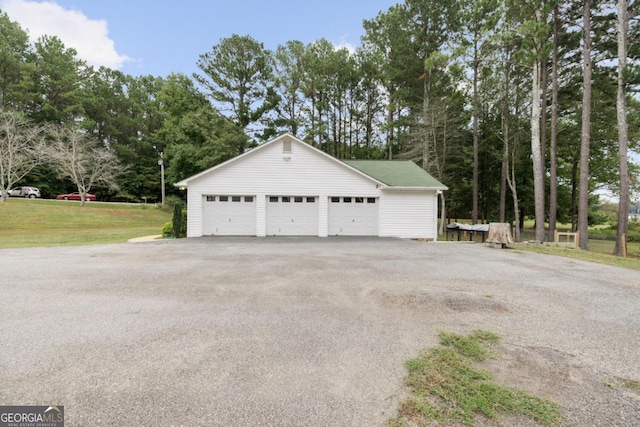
(303, 331)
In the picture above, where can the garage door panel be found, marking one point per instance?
(229, 215)
(292, 216)
(353, 216)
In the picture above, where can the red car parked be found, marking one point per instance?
(76, 196)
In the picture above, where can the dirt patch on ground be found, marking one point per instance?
(585, 397)
(460, 302)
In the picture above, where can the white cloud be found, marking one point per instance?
(344, 44)
(89, 37)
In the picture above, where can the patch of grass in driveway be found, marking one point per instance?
(623, 382)
(630, 384)
(446, 387)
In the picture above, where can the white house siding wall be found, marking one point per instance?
(408, 214)
(323, 228)
(261, 214)
(266, 173)
(194, 215)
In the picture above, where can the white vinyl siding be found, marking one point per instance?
(408, 214)
(268, 173)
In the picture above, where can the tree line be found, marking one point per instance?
(73, 155)
(524, 108)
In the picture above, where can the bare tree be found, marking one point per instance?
(434, 136)
(621, 104)
(83, 160)
(21, 149)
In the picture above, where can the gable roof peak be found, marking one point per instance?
(392, 174)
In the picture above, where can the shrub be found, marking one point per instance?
(597, 217)
(177, 221)
(605, 233)
(167, 230)
(633, 231)
(183, 224)
(609, 232)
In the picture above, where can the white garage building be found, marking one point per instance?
(285, 187)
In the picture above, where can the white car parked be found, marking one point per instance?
(31, 192)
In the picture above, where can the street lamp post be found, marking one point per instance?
(161, 163)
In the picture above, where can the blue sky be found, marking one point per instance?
(160, 37)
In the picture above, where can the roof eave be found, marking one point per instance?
(185, 182)
(410, 188)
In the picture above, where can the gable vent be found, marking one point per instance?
(286, 149)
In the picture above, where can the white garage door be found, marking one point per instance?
(229, 215)
(353, 216)
(292, 216)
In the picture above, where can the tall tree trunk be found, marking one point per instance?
(553, 148)
(585, 137)
(390, 131)
(369, 128)
(313, 120)
(544, 82)
(574, 193)
(425, 113)
(337, 129)
(621, 106)
(505, 141)
(474, 210)
(443, 214)
(514, 195)
(509, 175)
(538, 171)
(544, 94)
(503, 191)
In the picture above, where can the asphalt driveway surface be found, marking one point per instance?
(302, 332)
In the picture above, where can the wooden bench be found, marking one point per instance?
(571, 239)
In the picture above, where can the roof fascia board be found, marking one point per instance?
(392, 188)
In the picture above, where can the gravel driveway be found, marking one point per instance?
(302, 332)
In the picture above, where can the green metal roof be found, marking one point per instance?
(397, 173)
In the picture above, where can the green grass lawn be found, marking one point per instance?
(607, 246)
(30, 223)
(446, 388)
(632, 261)
(600, 250)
